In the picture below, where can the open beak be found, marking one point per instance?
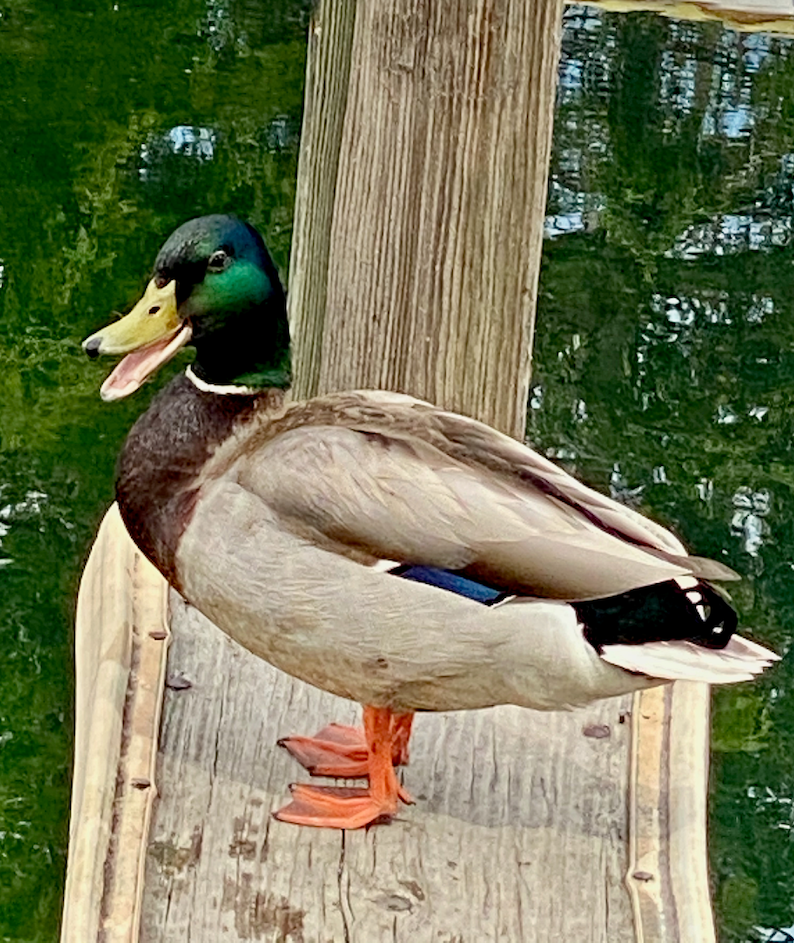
(149, 335)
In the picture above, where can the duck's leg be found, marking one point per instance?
(401, 725)
(341, 751)
(341, 807)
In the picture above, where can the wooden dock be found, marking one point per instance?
(587, 826)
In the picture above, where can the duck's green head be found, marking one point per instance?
(215, 287)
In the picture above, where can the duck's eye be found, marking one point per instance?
(217, 261)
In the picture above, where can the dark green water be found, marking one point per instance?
(665, 347)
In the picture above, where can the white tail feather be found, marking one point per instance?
(679, 660)
(745, 645)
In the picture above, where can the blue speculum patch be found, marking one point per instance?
(452, 582)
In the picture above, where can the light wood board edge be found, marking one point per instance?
(667, 876)
(768, 16)
(120, 672)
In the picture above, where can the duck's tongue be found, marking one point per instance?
(128, 375)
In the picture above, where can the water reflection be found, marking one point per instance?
(776, 936)
(748, 521)
(30, 506)
(728, 233)
(621, 490)
(186, 141)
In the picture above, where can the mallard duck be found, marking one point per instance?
(379, 547)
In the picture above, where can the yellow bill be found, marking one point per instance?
(150, 335)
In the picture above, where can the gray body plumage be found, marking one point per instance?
(296, 510)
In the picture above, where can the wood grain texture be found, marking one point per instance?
(432, 268)
(325, 104)
(519, 831)
(119, 670)
(668, 876)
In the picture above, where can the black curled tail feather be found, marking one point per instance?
(658, 613)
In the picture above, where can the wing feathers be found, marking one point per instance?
(740, 660)
(395, 478)
(407, 502)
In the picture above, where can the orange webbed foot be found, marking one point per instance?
(334, 807)
(339, 750)
(336, 750)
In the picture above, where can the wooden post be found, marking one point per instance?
(432, 264)
(324, 109)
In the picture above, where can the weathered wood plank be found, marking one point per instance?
(668, 876)
(119, 669)
(428, 283)
(506, 824)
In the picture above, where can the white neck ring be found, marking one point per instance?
(222, 390)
